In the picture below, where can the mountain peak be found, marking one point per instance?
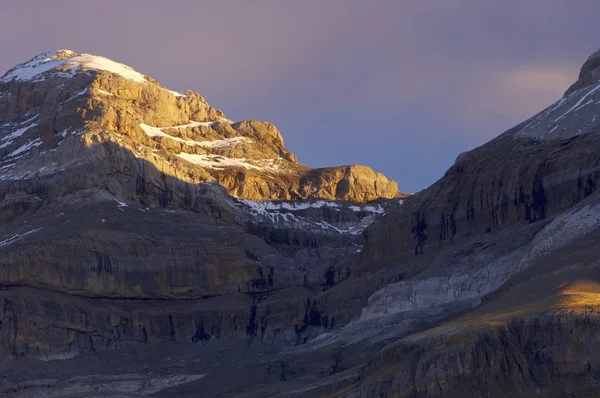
(63, 112)
(67, 63)
(56, 54)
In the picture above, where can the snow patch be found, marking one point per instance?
(217, 162)
(26, 147)
(8, 139)
(105, 93)
(82, 92)
(579, 103)
(193, 124)
(568, 117)
(176, 94)
(369, 208)
(264, 206)
(17, 237)
(220, 162)
(33, 69)
(278, 212)
(152, 131)
(223, 143)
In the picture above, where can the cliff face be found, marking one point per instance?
(132, 249)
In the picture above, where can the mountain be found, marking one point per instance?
(76, 114)
(150, 246)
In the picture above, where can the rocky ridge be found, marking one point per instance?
(61, 113)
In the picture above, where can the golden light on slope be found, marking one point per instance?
(572, 295)
(580, 294)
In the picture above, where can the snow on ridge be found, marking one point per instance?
(273, 212)
(219, 162)
(176, 93)
(78, 94)
(369, 208)
(25, 147)
(105, 93)
(70, 63)
(17, 237)
(224, 142)
(158, 132)
(193, 124)
(264, 207)
(88, 61)
(299, 205)
(267, 205)
(8, 139)
(32, 69)
(31, 119)
(570, 116)
(579, 103)
(67, 63)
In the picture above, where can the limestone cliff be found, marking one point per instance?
(64, 113)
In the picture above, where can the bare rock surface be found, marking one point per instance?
(63, 113)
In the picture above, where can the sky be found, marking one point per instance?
(400, 86)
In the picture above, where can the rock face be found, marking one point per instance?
(135, 260)
(62, 111)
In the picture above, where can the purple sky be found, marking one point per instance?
(401, 86)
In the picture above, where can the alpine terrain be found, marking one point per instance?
(150, 246)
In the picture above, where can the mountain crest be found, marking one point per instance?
(67, 62)
(63, 113)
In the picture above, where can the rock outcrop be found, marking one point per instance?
(62, 111)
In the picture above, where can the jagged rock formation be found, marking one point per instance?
(484, 284)
(63, 113)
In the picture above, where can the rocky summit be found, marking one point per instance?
(95, 119)
(150, 246)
